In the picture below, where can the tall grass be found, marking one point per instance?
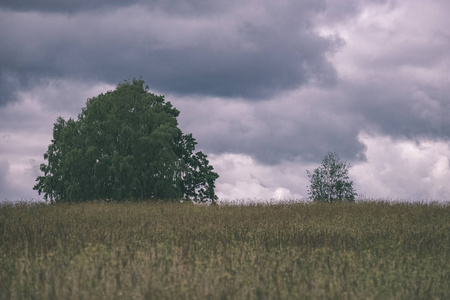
(183, 251)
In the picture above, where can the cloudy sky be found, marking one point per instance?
(266, 87)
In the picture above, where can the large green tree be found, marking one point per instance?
(126, 144)
(330, 181)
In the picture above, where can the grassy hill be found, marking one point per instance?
(184, 251)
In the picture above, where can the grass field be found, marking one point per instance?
(183, 251)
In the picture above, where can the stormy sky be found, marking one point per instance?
(266, 87)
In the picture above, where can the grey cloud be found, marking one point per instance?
(4, 188)
(293, 127)
(396, 70)
(173, 7)
(402, 111)
(191, 7)
(231, 54)
(16, 185)
(61, 5)
(306, 125)
(9, 86)
(338, 10)
(246, 51)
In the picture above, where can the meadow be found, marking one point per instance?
(368, 250)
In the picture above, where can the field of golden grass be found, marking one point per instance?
(148, 250)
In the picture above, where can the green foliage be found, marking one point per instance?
(330, 181)
(126, 144)
(147, 250)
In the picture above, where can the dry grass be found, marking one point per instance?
(182, 251)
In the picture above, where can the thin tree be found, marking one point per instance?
(330, 181)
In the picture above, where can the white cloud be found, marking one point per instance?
(403, 169)
(388, 39)
(394, 170)
(241, 177)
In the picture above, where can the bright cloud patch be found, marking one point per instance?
(404, 169)
(241, 177)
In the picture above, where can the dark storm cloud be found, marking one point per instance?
(68, 6)
(250, 51)
(402, 111)
(9, 85)
(243, 50)
(296, 126)
(61, 5)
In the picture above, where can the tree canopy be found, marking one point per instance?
(330, 182)
(126, 144)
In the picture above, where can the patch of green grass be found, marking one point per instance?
(184, 251)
